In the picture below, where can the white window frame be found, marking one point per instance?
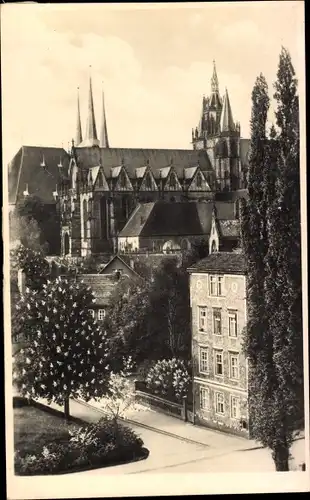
(217, 282)
(216, 310)
(204, 396)
(216, 352)
(99, 314)
(200, 309)
(234, 406)
(221, 394)
(233, 355)
(206, 351)
(233, 316)
(92, 312)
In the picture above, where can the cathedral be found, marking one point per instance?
(96, 187)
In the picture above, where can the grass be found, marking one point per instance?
(33, 428)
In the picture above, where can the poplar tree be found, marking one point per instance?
(271, 242)
(283, 264)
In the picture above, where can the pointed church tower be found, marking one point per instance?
(91, 138)
(104, 141)
(78, 133)
(209, 126)
(227, 122)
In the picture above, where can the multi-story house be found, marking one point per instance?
(218, 306)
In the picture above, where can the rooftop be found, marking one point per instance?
(221, 262)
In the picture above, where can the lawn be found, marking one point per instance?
(33, 428)
(43, 445)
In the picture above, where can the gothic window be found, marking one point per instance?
(66, 244)
(199, 180)
(123, 180)
(148, 181)
(85, 218)
(100, 179)
(173, 182)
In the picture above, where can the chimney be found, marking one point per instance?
(21, 281)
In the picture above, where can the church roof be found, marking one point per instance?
(136, 158)
(161, 219)
(25, 168)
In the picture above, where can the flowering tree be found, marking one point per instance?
(169, 377)
(120, 394)
(66, 354)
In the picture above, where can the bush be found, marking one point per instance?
(103, 443)
(169, 378)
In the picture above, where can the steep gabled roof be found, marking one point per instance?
(102, 286)
(25, 168)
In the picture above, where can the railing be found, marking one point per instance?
(172, 408)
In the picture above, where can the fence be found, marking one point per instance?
(181, 411)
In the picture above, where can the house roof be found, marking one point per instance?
(221, 262)
(124, 260)
(25, 169)
(102, 286)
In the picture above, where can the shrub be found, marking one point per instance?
(169, 377)
(102, 443)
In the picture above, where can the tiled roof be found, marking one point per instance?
(25, 169)
(229, 228)
(221, 262)
(137, 221)
(169, 219)
(135, 158)
(102, 286)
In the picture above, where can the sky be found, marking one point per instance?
(154, 63)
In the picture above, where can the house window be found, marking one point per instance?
(202, 312)
(92, 312)
(234, 407)
(203, 361)
(204, 398)
(219, 403)
(218, 360)
(217, 321)
(234, 366)
(232, 323)
(216, 285)
(101, 314)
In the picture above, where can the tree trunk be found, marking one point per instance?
(66, 408)
(281, 458)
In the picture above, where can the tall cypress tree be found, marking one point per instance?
(253, 227)
(283, 265)
(272, 247)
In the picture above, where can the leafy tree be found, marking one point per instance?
(45, 215)
(66, 354)
(33, 263)
(271, 242)
(24, 231)
(170, 378)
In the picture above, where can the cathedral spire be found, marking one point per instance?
(104, 141)
(91, 138)
(214, 81)
(227, 122)
(78, 136)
